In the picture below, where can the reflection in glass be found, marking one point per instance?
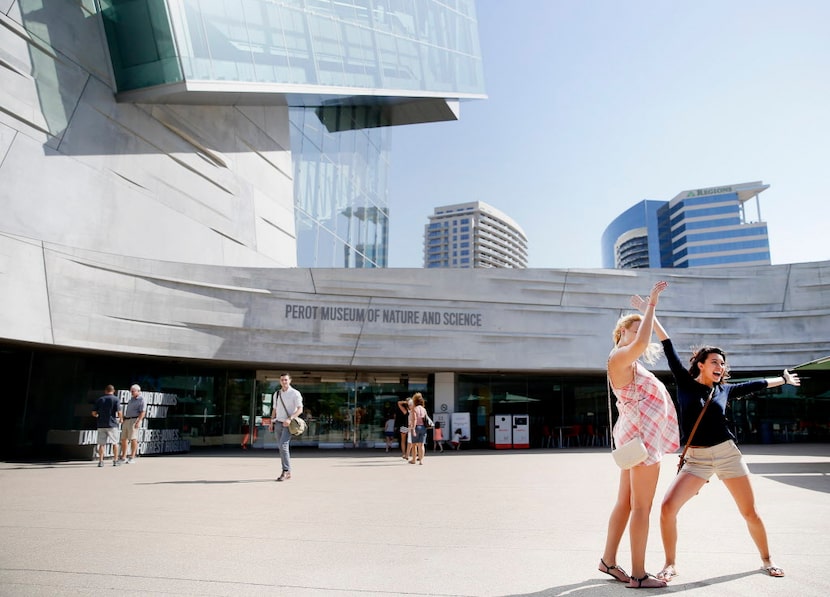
(424, 46)
(340, 192)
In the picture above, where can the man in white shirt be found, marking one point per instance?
(288, 404)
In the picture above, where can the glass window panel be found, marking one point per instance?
(387, 43)
(326, 249)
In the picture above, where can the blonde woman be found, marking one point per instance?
(645, 409)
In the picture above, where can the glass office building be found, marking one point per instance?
(697, 228)
(628, 242)
(347, 69)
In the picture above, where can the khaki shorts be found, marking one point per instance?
(725, 460)
(128, 430)
(107, 435)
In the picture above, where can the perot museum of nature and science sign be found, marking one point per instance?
(384, 315)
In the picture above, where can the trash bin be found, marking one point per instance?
(521, 431)
(766, 433)
(501, 432)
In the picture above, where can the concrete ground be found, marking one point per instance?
(477, 523)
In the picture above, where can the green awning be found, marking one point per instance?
(822, 364)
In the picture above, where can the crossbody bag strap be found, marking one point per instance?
(610, 413)
(284, 407)
(699, 417)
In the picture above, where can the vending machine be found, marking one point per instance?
(501, 432)
(521, 431)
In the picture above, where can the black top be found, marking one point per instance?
(401, 419)
(107, 407)
(692, 395)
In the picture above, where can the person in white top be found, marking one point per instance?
(389, 431)
(287, 405)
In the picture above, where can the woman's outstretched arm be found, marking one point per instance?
(641, 305)
(622, 357)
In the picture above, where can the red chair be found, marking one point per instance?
(591, 437)
(547, 437)
(570, 433)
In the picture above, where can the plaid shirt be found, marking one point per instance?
(646, 409)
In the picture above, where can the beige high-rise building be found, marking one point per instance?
(474, 234)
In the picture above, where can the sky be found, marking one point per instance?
(595, 105)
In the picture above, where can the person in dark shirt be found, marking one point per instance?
(402, 423)
(713, 449)
(107, 411)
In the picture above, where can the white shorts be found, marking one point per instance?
(107, 435)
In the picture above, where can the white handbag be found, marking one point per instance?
(630, 454)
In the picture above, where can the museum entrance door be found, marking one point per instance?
(342, 409)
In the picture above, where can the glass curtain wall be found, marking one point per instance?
(429, 45)
(141, 44)
(340, 193)
(51, 398)
(341, 410)
(571, 411)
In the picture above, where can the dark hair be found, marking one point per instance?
(701, 354)
(109, 388)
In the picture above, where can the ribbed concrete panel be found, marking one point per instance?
(481, 320)
(24, 304)
(190, 184)
(535, 286)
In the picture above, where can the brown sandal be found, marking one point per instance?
(656, 583)
(608, 571)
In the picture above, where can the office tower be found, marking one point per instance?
(706, 227)
(475, 234)
(232, 133)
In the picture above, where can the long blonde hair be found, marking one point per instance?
(652, 352)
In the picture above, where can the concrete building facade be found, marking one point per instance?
(212, 341)
(150, 226)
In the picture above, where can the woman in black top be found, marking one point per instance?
(402, 423)
(713, 449)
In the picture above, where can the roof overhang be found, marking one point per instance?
(395, 107)
(822, 364)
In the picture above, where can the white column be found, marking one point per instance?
(444, 392)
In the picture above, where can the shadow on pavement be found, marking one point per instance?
(806, 475)
(597, 588)
(209, 482)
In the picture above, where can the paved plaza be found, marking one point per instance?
(477, 523)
